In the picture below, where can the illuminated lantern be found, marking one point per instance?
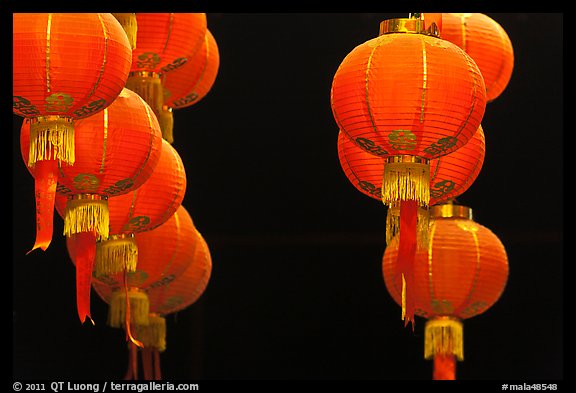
(143, 209)
(450, 175)
(66, 66)
(165, 41)
(486, 42)
(189, 84)
(117, 151)
(461, 275)
(410, 97)
(164, 300)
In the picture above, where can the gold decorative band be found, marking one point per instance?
(143, 74)
(93, 197)
(408, 25)
(121, 236)
(406, 158)
(449, 210)
(50, 118)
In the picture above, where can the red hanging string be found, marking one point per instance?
(45, 181)
(85, 255)
(127, 322)
(157, 372)
(444, 367)
(146, 356)
(406, 256)
(129, 374)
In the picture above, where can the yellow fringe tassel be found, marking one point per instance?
(444, 336)
(147, 85)
(130, 26)
(406, 181)
(422, 225)
(166, 120)
(51, 137)
(154, 334)
(139, 308)
(115, 255)
(85, 215)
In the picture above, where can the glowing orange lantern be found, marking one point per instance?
(190, 83)
(486, 42)
(59, 78)
(167, 299)
(450, 175)
(164, 42)
(408, 96)
(118, 149)
(461, 275)
(143, 209)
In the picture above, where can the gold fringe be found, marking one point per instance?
(51, 137)
(444, 336)
(85, 215)
(130, 26)
(406, 181)
(147, 85)
(115, 255)
(139, 308)
(154, 334)
(166, 120)
(422, 225)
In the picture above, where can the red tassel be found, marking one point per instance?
(157, 371)
(85, 255)
(147, 369)
(406, 256)
(444, 367)
(45, 182)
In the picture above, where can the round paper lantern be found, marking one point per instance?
(450, 175)
(190, 83)
(461, 275)
(408, 96)
(140, 210)
(167, 299)
(117, 151)
(487, 43)
(166, 41)
(130, 26)
(66, 66)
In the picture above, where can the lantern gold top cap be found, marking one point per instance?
(450, 210)
(408, 25)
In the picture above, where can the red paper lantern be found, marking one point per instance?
(190, 83)
(143, 209)
(408, 96)
(486, 42)
(450, 175)
(461, 275)
(66, 66)
(167, 299)
(166, 41)
(117, 151)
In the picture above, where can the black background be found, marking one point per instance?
(296, 290)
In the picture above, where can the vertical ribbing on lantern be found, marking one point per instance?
(116, 254)
(443, 336)
(86, 215)
(406, 181)
(139, 308)
(130, 26)
(166, 120)
(152, 335)
(51, 137)
(147, 85)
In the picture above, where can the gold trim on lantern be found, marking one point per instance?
(449, 210)
(116, 254)
(51, 137)
(444, 336)
(422, 224)
(87, 213)
(139, 307)
(166, 121)
(408, 25)
(406, 178)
